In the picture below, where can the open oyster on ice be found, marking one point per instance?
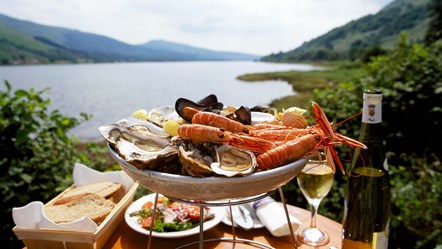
(141, 144)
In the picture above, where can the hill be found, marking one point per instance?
(28, 42)
(369, 34)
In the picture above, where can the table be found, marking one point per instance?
(126, 238)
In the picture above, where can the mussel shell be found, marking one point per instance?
(263, 109)
(209, 100)
(208, 104)
(243, 115)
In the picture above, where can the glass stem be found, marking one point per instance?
(314, 209)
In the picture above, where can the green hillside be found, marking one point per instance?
(19, 48)
(369, 34)
(23, 42)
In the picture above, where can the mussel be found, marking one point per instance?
(209, 104)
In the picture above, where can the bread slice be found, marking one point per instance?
(103, 189)
(91, 205)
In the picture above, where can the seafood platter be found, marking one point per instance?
(206, 151)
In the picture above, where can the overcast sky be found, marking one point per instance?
(259, 27)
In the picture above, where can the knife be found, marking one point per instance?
(241, 216)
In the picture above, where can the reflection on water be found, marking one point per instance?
(112, 91)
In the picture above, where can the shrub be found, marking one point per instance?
(37, 155)
(411, 79)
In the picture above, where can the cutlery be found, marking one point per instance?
(247, 217)
(241, 216)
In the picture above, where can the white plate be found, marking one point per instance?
(259, 117)
(256, 221)
(132, 221)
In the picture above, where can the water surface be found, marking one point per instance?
(111, 91)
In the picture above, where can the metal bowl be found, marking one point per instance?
(215, 188)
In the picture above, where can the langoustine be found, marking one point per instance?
(275, 145)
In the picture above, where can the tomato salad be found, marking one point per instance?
(170, 216)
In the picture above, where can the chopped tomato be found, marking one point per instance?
(147, 205)
(146, 222)
(174, 205)
(194, 212)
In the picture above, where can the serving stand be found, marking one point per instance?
(215, 191)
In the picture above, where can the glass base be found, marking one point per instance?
(313, 237)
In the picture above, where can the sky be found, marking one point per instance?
(259, 27)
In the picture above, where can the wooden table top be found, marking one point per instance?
(126, 238)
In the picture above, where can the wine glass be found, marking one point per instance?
(315, 181)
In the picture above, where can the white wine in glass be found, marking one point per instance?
(315, 181)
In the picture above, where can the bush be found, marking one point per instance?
(411, 79)
(37, 155)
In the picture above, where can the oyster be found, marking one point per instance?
(161, 115)
(196, 159)
(142, 128)
(141, 148)
(232, 161)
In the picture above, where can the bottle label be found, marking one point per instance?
(372, 109)
(380, 240)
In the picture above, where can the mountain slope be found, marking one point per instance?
(19, 48)
(197, 53)
(372, 32)
(58, 44)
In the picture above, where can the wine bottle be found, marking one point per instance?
(367, 201)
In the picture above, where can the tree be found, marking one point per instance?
(434, 32)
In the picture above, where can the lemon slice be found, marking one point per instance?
(141, 114)
(171, 127)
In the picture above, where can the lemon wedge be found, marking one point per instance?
(171, 127)
(141, 114)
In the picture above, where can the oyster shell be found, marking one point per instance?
(141, 148)
(232, 161)
(162, 114)
(196, 160)
(142, 128)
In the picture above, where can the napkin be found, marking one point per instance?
(273, 217)
(32, 215)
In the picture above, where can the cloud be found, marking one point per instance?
(253, 26)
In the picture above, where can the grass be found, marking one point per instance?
(303, 83)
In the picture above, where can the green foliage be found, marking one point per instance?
(367, 36)
(411, 79)
(434, 32)
(37, 155)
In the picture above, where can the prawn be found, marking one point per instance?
(216, 120)
(202, 133)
